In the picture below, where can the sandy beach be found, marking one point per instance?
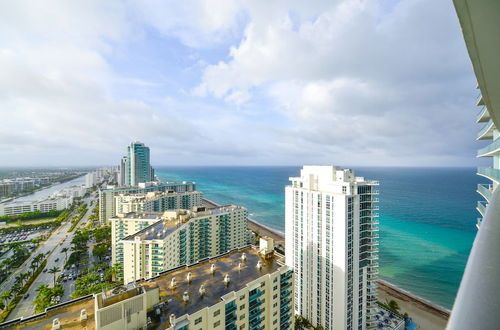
(427, 315)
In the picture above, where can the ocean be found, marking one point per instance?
(427, 216)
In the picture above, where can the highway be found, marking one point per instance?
(56, 242)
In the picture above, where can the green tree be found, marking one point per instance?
(46, 296)
(5, 297)
(54, 271)
(100, 250)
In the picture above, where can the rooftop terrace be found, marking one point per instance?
(215, 288)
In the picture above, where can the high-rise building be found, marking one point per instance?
(124, 175)
(331, 244)
(139, 168)
(249, 288)
(107, 203)
(157, 201)
(180, 237)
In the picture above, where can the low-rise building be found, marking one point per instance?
(45, 205)
(249, 288)
(181, 237)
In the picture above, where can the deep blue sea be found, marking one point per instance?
(427, 216)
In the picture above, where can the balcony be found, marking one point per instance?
(480, 100)
(490, 173)
(478, 223)
(490, 150)
(485, 190)
(483, 116)
(481, 207)
(486, 133)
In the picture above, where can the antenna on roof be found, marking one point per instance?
(226, 280)
(212, 269)
(173, 283)
(201, 291)
(189, 277)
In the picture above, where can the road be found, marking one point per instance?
(57, 241)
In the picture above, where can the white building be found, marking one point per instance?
(45, 205)
(331, 245)
(157, 201)
(181, 237)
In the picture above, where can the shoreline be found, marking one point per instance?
(425, 313)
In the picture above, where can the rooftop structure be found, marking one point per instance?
(239, 289)
(157, 201)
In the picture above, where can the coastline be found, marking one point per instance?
(426, 314)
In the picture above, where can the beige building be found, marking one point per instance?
(249, 288)
(180, 237)
(157, 201)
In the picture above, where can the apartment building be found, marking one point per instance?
(182, 237)
(331, 244)
(157, 201)
(107, 204)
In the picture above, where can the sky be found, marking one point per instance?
(236, 82)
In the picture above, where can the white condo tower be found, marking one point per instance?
(331, 243)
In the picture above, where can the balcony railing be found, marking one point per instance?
(485, 130)
(481, 207)
(483, 116)
(490, 150)
(490, 173)
(486, 190)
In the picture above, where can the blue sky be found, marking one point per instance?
(219, 82)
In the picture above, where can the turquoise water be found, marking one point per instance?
(427, 216)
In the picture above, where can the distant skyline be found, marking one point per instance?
(350, 82)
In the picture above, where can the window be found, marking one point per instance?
(242, 297)
(217, 312)
(242, 316)
(197, 321)
(216, 324)
(242, 306)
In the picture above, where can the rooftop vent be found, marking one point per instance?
(189, 277)
(56, 325)
(212, 269)
(172, 319)
(259, 264)
(83, 315)
(173, 283)
(240, 266)
(226, 280)
(185, 296)
(201, 291)
(243, 256)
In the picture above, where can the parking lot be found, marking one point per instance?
(22, 235)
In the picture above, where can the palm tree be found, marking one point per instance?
(16, 289)
(33, 266)
(54, 271)
(23, 277)
(5, 296)
(65, 251)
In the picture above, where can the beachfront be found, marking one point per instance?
(428, 316)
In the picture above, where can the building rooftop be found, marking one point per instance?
(240, 272)
(68, 315)
(171, 220)
(215, 288)
(155, 194)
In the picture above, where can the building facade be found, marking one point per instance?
(489, 132)
(49, 204)
(331, 244)
(157, 201)
(107, 204)
(182, 237)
